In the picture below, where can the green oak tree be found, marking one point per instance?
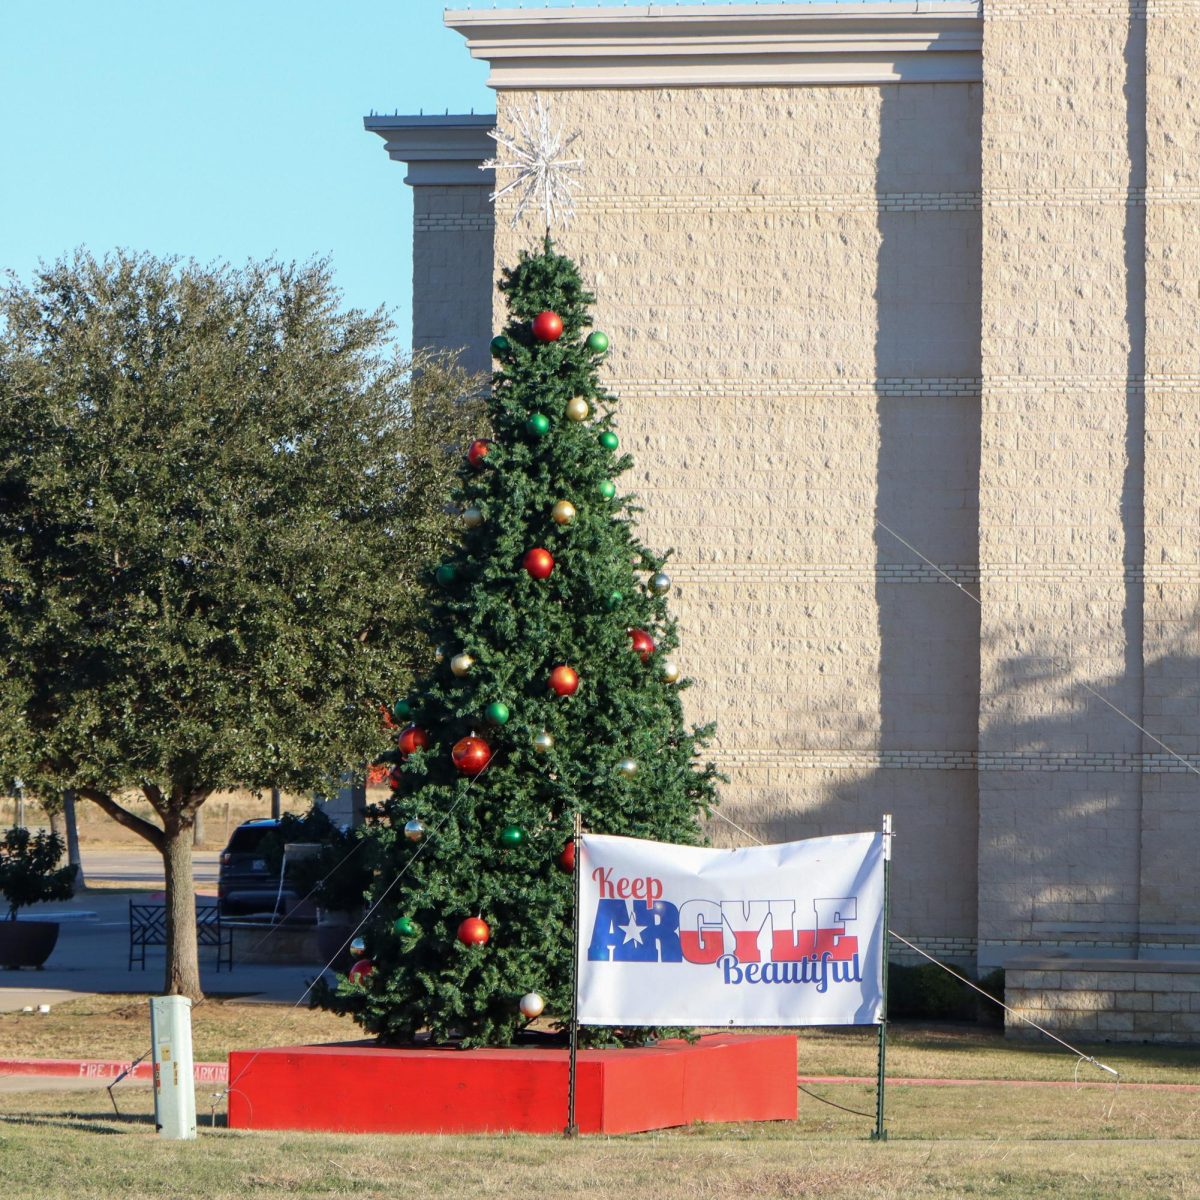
(555, 692)
(215, 484)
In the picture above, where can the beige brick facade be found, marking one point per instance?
(909, 268)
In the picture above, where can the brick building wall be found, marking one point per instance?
(930, 271)
(772, 413)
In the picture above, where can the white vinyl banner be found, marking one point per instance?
(790, 934)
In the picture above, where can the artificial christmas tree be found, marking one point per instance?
(554, 694)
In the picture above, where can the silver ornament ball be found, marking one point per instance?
(358, 947)
(472, 517)
(414, 830)
(543, 741)
(532, 1005)
(660, 584)
(627, 767)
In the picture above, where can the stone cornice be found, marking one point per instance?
(438, 150)
(919, 41)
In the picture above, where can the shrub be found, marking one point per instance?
(29, 870)
(928, 993)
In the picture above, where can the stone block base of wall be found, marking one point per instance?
(958, 953)
(1104, 1000)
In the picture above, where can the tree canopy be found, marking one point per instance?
(216, 486)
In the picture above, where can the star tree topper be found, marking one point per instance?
(537, 152)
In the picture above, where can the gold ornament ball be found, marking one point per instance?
(627, 767)
(461, 664)
(563, 512)
(670, 670)
(532, 1005)
(439, 654)
(578, 409)
(472, 517)
(543, 741)
(660, 584)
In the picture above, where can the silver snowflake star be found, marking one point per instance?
(537, 153)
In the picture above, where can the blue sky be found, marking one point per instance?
(222, 129)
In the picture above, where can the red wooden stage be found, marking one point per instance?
(359, 1087)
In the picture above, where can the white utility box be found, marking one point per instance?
(174, 1077)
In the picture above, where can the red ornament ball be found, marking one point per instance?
(538, 562)
(477, 452)
(474, 931)
(566, 860)
(361, 969)
(547, 326)
(395, 775)
(564, 680)
(412, 738)
(643, 643)
(471, 755)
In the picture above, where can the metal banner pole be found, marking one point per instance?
(572, 1129)
(880, 1134)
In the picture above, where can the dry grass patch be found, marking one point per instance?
(71, 1147)
(118, 1027)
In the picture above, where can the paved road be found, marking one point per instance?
(140, 868)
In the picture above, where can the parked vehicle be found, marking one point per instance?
(250, 884)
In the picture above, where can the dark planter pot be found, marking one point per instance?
(26, 943)
(334, 930)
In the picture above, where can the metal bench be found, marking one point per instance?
(148, 927)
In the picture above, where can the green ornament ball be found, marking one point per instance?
(500, 346)
(613, 601)
(404, 926)
(402, 710)
(607, 489)
(511, 836)
(497, 713)
(609, 440)
(597, 342)
(445, 575)
(538, 425)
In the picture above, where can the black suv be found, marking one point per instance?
(246, 884)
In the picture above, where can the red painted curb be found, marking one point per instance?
(900, 1081)
(92, 1068)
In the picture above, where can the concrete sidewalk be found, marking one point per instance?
(92, 956)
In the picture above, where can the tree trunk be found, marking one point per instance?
(54, 817)
(183, 953)
(276, 803)
(72, 824)
(198, 829)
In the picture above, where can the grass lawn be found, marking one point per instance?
(943, 1143)
(976, 1140)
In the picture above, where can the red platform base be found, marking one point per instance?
(362, 1088)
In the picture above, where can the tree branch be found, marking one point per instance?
(123, 816)
(153, 793)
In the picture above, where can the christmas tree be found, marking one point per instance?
(554, 692)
